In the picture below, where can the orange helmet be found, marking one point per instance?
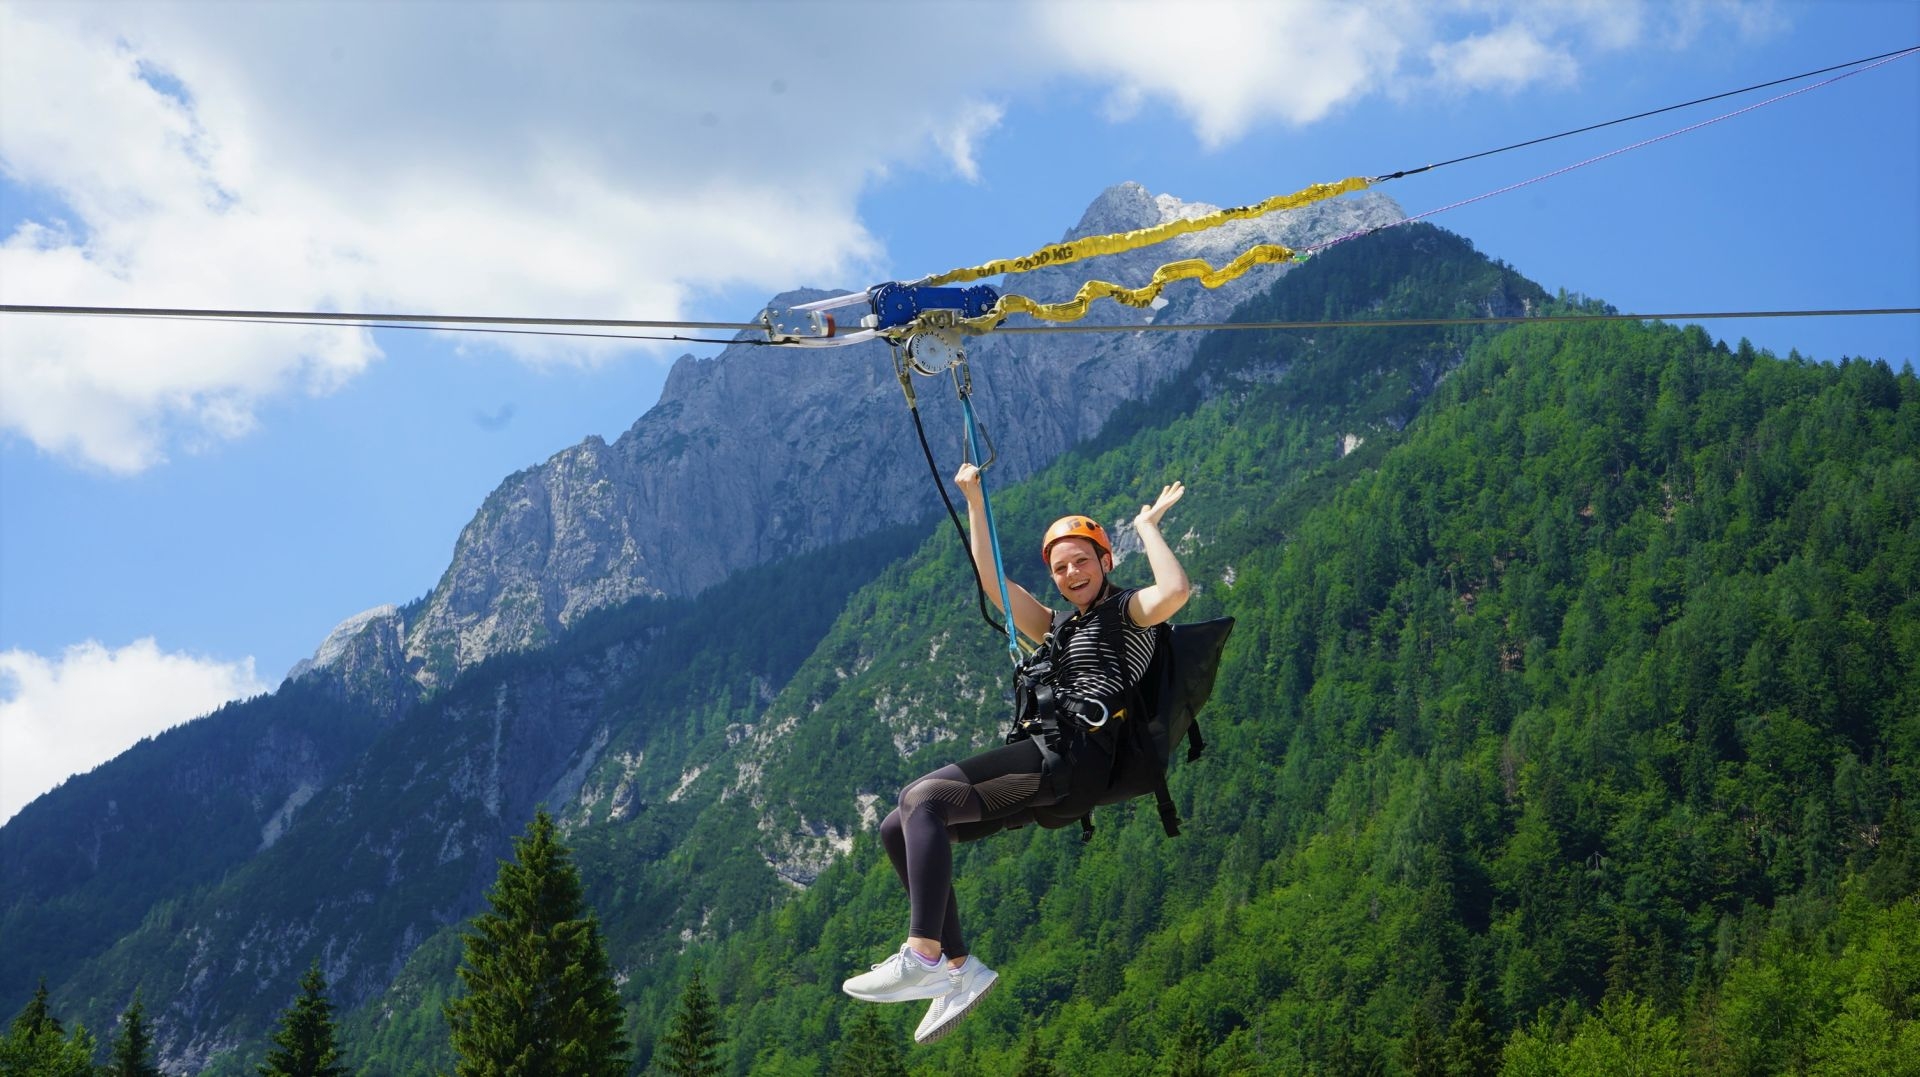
(1085, 527)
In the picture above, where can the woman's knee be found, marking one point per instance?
(939, 792)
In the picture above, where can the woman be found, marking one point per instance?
(1097, 656)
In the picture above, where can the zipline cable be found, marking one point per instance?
(1085, 247)
(1643, 115)
(1074, 250)
(337, 316)
(1054, 255)
(1875, 62)
(428, 328)
(1268, 253)
(464, 323)
(1403, 323)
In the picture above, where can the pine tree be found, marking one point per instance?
(36, 1018)
(35, 1045)
(304, 1043)
(47, 1054)
(688, 1048)
(1472, 1047)
(1420, 1051)
(1190, 1049)
(867, 1050)
(132, 1054)
(1032, 1062)
(539, 993)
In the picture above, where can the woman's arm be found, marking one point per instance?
(1029, 616)
(1153, 604)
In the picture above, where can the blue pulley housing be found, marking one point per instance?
(895, 304)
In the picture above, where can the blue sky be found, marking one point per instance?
(186, 510)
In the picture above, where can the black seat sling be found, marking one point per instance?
(1155, 714)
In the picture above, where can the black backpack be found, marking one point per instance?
(1177, 683)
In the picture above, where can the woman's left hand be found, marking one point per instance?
(1150, 514)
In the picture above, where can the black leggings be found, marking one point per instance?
(996, 790)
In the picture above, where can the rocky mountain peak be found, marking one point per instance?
(338, 642)
(1122, 207)
(758, 453)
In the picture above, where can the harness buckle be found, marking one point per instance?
(1104, 715)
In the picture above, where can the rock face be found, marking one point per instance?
(761, 452)
(363, 662)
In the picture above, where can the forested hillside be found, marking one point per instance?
(1576, 722)
(1571, 722)
(402, 841)
(1570, 719)
(228, 779)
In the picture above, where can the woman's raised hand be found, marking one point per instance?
(1150, 514)
(967, 479)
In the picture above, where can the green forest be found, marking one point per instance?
(1570, 729)
(1571, 725)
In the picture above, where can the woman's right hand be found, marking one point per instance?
(968, 480)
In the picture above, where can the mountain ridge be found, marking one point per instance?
(1393, 730)
(698, 486)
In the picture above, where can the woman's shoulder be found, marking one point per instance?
(1119, 607)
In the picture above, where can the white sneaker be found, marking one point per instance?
(968, 984)
(900, 978)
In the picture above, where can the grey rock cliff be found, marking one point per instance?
(363, 662)
(761, 452)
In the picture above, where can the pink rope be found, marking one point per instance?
(1610, 153)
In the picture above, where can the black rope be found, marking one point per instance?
(966, 546)
(1640, 115)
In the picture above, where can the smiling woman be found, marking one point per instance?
(1060, 759)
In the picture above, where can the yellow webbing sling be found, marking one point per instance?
(1120, 242)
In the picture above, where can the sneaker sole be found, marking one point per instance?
(948, 1024)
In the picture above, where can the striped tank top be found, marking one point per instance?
(1106, 653)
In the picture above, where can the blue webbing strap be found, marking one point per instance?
(993, 534)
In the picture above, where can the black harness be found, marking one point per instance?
(1137, 732)
(1058, 723)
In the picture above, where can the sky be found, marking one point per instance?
(186, 509)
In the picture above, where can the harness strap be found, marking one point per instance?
(1050, 738)
(1169, 815)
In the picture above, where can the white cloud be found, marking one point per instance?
(1509, 58)
(615, 160)
(1229, 66)
(602, 160)
(66, 715)
(959, 141)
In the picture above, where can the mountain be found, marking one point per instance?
(1570, 709)
(761, 453)
(1569, 721)
(704, 480)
